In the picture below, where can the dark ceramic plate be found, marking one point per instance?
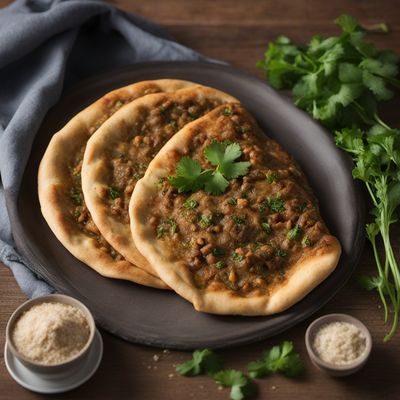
(161, 318)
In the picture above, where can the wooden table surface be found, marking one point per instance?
(237, 32)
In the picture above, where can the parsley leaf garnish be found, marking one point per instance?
(266, 227)
(190, 176)
(113, 193)
(76, 196)
(167, 226)
(281, 358)
(222, 155)
(276, 204)
(294, 233)
(190, 203)
(241, 386)
(220, 264)
(205, 221)
(203, 361)
(237, 256)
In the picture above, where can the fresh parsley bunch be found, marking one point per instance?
(339, 80)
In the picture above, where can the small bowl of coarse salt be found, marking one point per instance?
(338, 344)
(51, 334)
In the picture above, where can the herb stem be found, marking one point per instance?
(381, 274)
(395, 82)
(380, 122)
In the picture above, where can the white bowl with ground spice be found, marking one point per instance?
(51, 334)
(339, 344)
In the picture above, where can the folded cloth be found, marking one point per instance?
(45, 46)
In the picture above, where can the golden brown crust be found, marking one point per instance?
(96, 164)
(54, 176)
(303, 276)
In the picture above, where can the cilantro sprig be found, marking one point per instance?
(281, 358)
(190, 177)
(340, 80)
(203, 361)
(241, 386)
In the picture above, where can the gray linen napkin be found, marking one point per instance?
(45, 46)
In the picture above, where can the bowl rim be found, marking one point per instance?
(337, 317)
(50, 298)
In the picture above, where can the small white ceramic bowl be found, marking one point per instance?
(62, 368)
(332, 369)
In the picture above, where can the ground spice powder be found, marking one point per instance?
(339, 343)
(51, 333)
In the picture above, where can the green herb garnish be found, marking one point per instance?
(272, 177)
(276, 204)
(220, 264)
(294, 233)
(190, 203)
(337, 79)
(280, 253)
(237, 257)
(203, 361)
(190, 177)
(76, 196)
(217, 251)
(282, 358)
(227, 112)
(193, 116)
(301, 207)
(241, 386)
(306, 242)
(340, 80)
(232, 201)
(266, 227)
(113, 193)
(205, 221)
(239, 220)
(168, 226)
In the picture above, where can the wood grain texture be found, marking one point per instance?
(237, 32)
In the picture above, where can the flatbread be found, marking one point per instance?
(256, 249)
(117, 156)
(59, 185)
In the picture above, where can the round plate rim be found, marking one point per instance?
(256, 334)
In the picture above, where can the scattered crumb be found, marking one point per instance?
(220, 387)
(166, 351)
(174, 365)
(273, 387)
(170, 376)
(149, 367)
(379, 306)
(201, 387)
(156, 357)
